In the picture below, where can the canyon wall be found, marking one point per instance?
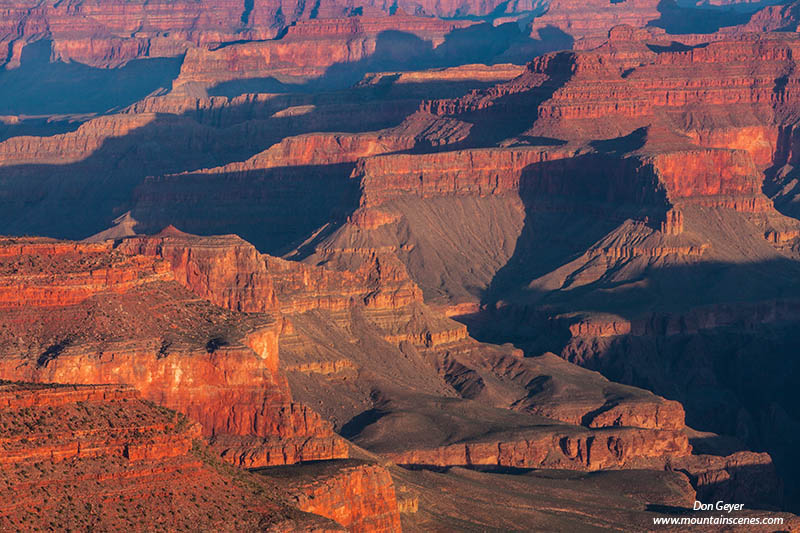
(358, 495)
(107, 35)
(108, 317)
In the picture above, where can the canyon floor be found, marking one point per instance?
(498, 266)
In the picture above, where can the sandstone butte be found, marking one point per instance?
(100, 457)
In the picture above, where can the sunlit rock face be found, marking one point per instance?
(393, 264)
(97, 315)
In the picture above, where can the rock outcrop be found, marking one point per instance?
(359, 495)
(103, 316)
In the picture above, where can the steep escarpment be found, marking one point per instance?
(102, 316)
(309, 49)
(282, 194)
(88, 457)
(356, 332)
(359, 495)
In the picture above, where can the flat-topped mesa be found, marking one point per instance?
(39, 272)
(478, 172)
(309, 49)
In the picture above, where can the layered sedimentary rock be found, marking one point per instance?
(309, 49)
(359, 495)
(600, 451)
(100, 457)
(213, 268)
(284, 192)
(231, 271)
(73, 146)
(783, 17)
(97, 315)
(647, 94)
(109, 34)
(470, 73)
(474, 371)
(591, 20)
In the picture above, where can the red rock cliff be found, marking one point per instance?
(218, 367)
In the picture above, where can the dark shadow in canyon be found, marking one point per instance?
(721, 338)
(683, 20)
(572, 203)
(78, 199)
(401, 51)
(39, 87)
(39, 126)
(356, 425)
(272, 209)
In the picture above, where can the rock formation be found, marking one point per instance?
(359, 495)
(309, 49)
(95, 315)
(587, 263)
(109, 34)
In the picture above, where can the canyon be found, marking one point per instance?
(370, 267)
